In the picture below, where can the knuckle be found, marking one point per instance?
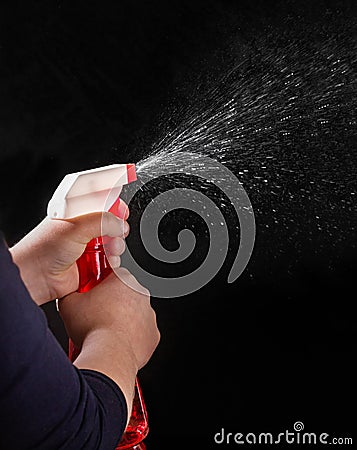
(122, 245)
(116, 246)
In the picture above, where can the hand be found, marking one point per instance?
(118, 305)
(114, 326)
(47, 255)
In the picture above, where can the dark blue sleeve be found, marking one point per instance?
(45, 401)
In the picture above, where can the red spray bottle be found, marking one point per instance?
(81, 193)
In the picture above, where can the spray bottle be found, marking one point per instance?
(82, 193)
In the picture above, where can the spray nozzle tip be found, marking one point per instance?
(131, 172)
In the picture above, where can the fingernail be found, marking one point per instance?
(126, 227)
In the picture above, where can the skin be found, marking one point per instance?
(113, 323)
(47, 255)
(116, 328)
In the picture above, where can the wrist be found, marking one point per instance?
(108, 351)
(31, 275)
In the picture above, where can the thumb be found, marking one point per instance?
(89, 226)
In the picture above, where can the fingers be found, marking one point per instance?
(113, 226)
(97, 224)
(120, 209)
(114, 261)
(116, 246)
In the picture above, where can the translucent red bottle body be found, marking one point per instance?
(93, 267)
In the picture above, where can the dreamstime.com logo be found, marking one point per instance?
(297, 436)
(198, 167)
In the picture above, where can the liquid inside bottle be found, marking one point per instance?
(137, 428)
(93, 267)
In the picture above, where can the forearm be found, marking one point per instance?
(36, 375)
(107, 351)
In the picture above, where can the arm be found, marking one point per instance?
(115, 327)
(46, 258)
(46, 402)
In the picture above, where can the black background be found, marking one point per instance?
(88, 83)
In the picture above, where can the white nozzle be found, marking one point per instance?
(88, 191)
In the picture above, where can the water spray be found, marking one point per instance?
(99, 190)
